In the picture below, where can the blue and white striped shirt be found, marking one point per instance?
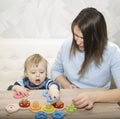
(26, 83)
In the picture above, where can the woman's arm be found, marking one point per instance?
(112, 95)
(64, 82)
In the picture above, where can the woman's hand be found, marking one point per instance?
(21, 90)
(85, 100)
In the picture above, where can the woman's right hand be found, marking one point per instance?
(21, 90)
(85, 100)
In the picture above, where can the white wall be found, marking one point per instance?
(52, 18)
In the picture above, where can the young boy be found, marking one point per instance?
(35, 78)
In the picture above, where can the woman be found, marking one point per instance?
(88, 60)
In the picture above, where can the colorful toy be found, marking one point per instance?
(57, 115)
(24, 103)
(41, 115)
(16, 95)
(45, 93)
(48, 108)
(12, 108)
(58, 105)
(49, 99)
(42, 111)
(70, 108)
(35, 106)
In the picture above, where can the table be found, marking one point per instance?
(100, 110)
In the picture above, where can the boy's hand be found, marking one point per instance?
(20, 90)
(54, 92)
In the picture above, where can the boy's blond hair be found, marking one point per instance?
(34, 59)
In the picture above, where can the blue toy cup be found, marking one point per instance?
(57, 115)
(41, 115)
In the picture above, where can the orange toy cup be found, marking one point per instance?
(35, 106)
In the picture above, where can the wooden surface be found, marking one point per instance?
(100, 110)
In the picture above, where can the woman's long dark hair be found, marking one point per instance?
(93, 27)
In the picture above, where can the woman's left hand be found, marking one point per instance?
(85, 100)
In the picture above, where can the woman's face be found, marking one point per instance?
(78, 36)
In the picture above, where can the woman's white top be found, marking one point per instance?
(95, 76)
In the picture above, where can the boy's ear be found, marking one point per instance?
(26, 74)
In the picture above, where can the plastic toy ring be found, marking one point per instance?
(48, 108)
(58, 105)
(15, 95)
(12, 108)
(24, 103)
(45, 93)
(49, 99)
(57, 115)
(70, 108)
(35, 106)
(41, 115)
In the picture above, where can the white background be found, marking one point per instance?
(52, 18)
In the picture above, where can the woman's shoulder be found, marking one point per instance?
(112, 46)
(67, 43)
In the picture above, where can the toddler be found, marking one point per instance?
(35, 78)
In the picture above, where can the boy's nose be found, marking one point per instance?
(37, 74)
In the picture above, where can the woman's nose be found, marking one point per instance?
(79, 41)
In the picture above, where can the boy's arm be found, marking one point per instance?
(19, 83)
(54, 91)
(55, 85)
(11, 86)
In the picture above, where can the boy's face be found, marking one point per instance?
(37, 74)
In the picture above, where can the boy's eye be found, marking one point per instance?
(41, 72)
(32, 72)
